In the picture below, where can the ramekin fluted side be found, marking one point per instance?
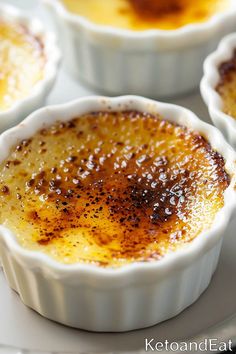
(153, 63)
(133, 296)
(96, 307)
(221, 120)
(40, 91)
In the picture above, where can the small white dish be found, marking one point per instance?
(221, 120)
(133, 296)
(20, 109)
(152, 63)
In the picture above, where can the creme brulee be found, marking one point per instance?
(227, 85)
(111, 188)
(147, 14)
(22, 62)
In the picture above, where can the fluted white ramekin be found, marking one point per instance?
(210, 80)
(153, 63)
(36, 98)
(132, 296)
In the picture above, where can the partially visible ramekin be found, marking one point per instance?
(39, 92)
(221, 120)
(132, 296)
(153, 63)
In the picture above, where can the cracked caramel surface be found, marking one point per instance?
(22, 63)
(140, 15)
(227, 85)
(111, 188)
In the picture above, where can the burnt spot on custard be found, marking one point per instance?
(153, 9)
(226, 86)
(226, 69)
(127, 179)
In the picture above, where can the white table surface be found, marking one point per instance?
(23, 328)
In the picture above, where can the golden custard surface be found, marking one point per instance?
(227, 86)
(21, 61)
(111, 188)
(141, 15)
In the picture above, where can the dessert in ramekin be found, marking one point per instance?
(218, 87)
(113, 210)
(151, 62)
(29, 59)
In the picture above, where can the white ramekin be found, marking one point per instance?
(133, 296)
(221, 120)
(39, 92)
(153, 63)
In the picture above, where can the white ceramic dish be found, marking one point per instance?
(24, 328)
(105, 299)
(153, 63)
(40, 91)
(209, 82)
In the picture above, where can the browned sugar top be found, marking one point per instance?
(227, 69)
(226, 86)
(152, 9)
(127, 186)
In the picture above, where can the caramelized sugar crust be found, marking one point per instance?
(227, 85)
(111, 188)
(151, 9)
(22, 63)
(147, 14)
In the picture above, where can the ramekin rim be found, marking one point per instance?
(51, 50)
(185, 254)
(211, 78)
(189, 30)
